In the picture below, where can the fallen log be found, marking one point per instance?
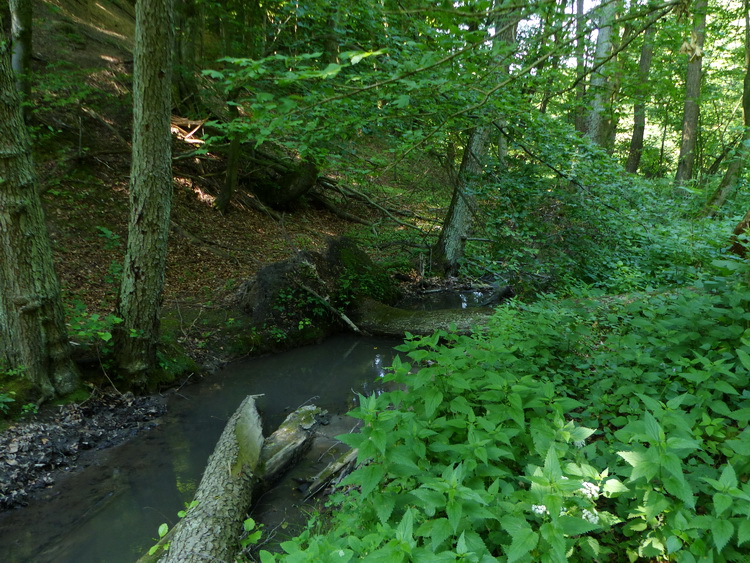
(241, 464)
(382, 320)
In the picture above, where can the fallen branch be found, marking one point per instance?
(328, 204)
(334, 310)
(333, 473)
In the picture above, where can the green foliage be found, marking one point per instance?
(585, 429)
(91, 329)
(5, 400)
(551, 222)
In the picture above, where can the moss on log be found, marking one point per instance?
(383, 320)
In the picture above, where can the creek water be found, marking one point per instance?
(111, 510)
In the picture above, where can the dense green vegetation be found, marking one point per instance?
(580, 429)
(603, 413)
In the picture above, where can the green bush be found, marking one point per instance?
(578, 430)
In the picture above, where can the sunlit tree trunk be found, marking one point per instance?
(21, 13)
(691, 110)
(595, 129)
(579, 115)
(639, 108)
(449, 249)
(737, 163)
(150, 192)
(33, 337)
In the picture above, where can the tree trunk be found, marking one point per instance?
(598, 86)
(185, 54)
(449, 248)
(240, 463)
(736, 165)
(33, 338)
(691, 110)
(580, 119)
(639, 108)
(21, 13)
(150, 193)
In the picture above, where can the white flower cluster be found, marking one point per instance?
(590, 516)
(539, 509)
(589, 490)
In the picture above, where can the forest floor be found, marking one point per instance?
(81, 126)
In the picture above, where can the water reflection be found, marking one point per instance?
(110, 511)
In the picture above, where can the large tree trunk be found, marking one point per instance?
(150, 192)
(21, 13)
(595, 129)
(33, 337)
(691, 110)
(449, 248)
(241, 462)
(639, 108)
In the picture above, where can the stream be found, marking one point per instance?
(111, 510)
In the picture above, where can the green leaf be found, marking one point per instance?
(432, 399)
(163, 529)
(614, 486)
(572, 526)
(523, 542)
(743, 532)
(728, 477)
(454, 510)
(722, 501)
(441, 531)
(721, 531)
(384, 507)
(653, 428)
(744, 358)
(552, 465)
(580, 433)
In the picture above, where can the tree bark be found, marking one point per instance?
(449, 248)
(33, 336)
(595, 129)
(150, 193)
(639, 108)
(241, 462)
(580, 119)
(185, 54)
(21, 16)
(691, 109)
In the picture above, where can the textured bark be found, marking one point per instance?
(639, 108)
(150, 192)
(240, 463)
(449, 248)
(21, 13)
(598, 86)
(691, 109)
(580, 118)
(210, 530)
(32, 323)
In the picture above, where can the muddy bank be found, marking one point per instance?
(33, 454)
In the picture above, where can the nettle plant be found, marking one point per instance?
(572, 430)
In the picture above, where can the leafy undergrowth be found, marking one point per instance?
(575, 430)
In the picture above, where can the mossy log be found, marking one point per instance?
(379, 319)
(241, 464)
